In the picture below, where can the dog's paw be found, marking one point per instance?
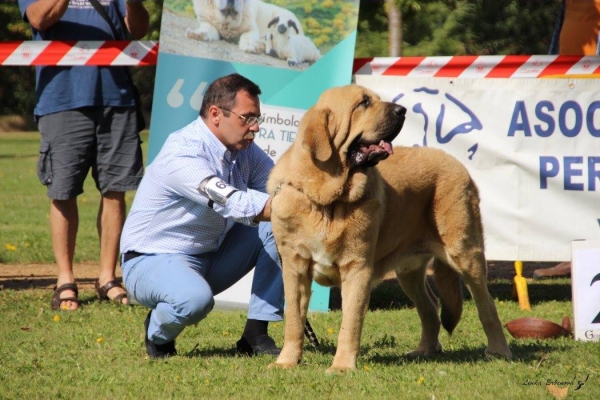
(333, 370)
(501, 353)
(250, 43)
(201, 34)
(282, 365)
(194, 34)
(425, 352)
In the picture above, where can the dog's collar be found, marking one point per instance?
(280, 186)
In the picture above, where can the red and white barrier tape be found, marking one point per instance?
(526, 66)
(65, 53)
(142, 53)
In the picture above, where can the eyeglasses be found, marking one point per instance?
(247, 120)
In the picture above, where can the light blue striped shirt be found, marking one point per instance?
(170, 215)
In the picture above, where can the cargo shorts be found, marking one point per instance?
(104, 139)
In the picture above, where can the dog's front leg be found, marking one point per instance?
(250, 42)
(296, 284)
(205, 32)
(356, 292)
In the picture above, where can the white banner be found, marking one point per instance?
(531, 145)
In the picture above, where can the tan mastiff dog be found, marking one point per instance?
(343, 218)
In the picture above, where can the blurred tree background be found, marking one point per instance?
(385, 28)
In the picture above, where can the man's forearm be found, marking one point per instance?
(137, 19)
(44, 13)
(265, 214)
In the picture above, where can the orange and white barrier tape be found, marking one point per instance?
(521, 66)
(65, 53)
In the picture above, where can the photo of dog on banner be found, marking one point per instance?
(256, 28)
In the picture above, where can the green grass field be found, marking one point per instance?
(98, 351)
(24, 206)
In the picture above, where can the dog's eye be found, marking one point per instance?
(366, 102)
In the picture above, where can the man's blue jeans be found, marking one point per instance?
(181, 288)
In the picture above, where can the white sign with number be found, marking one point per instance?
(585, 281)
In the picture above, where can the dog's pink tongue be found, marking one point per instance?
(387, 147)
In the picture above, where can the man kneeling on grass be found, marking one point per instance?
(193, 229)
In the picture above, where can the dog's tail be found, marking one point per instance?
(450, 289)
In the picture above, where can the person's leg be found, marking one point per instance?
(64, 220)
(66, 139)
(117, 168)
(111, 217)
(172, 285)
(243, 249)
(267, 298)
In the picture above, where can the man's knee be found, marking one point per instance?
(193, 308)
(111, 195)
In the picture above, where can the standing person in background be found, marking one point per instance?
(577, 28)
(577, 32)
(86, 116)
(198, 224)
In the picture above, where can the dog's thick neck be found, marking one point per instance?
(326, 182)
(323, 182)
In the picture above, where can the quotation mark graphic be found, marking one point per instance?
(175, 98)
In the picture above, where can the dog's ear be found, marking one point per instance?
(317, 138)
(273, 22)
(292, 24)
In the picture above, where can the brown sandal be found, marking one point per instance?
(57, 300)
(103, 291)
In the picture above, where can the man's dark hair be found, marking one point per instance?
(222, 92)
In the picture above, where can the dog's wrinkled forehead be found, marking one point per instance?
(345, 97)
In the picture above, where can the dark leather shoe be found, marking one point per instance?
(264, 345)
(157, 350)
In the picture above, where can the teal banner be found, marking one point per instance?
(294, 50)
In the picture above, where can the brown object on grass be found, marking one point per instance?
(538, 328)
